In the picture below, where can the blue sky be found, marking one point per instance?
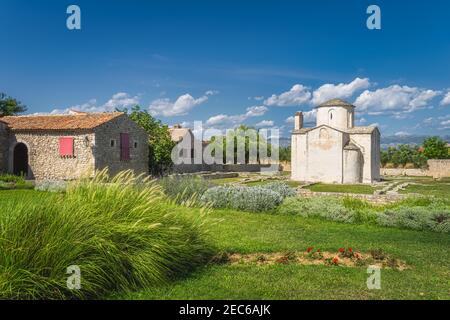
(230, 62)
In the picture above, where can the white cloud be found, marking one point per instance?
(401, 134)
(119, 100)
(265, 123)
(298, 95)
(445, 124)
(341, 90)
(308, 117)
(223, 120)
(256, 111)
(394, 100)
(446, 100)
(180, 107)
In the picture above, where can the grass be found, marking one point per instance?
(342, 188)
(426, 252)
(122, 233)
(437, 189)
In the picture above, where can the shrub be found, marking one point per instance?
(12, 178)
(281, 188)
(51, 186)
(330, 208)
(417, 218)
(123, 236)
(184, 188)
(256, 199)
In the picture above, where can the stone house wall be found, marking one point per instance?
(107, 154)
(44, 160)
(3, 148)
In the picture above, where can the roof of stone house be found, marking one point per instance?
(74, 121)
(177, 133)
(354, 130)
(335, 103)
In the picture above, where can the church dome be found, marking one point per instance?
(335, 103)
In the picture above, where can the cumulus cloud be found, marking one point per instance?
(265, 123)
(446, 100)
(445, 125)
(119, 100)
(341, 90)
(297, 95)
(223, 120)
(401, 134)
(308, 117)
(179, 107)
(394, 100)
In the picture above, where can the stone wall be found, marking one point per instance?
(436, 169)
(109, 156)
(3, 148)
(439, 168)
(44, 160)
(193, 168)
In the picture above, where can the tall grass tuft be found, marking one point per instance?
(120, 231)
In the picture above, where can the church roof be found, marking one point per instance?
(78, 121)
(336, 103)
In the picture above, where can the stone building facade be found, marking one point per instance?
(335, 151)
(64, 147)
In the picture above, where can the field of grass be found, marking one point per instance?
(426, 254)
(429, 187)
(343, 188)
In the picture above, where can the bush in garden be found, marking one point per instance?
(121, 233)
(256, 199)
(51, 186)
(281, 188)
(184, 188)
(416, 218)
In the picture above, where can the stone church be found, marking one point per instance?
(64, 147)
(335, 151)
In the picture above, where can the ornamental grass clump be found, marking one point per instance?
(119, 231)
(254, 199)
(182, 189)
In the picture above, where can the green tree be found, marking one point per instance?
(160, 143)
(435, 148)
(10, 106)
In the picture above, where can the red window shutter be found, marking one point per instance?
(66, 146)
(124, 146)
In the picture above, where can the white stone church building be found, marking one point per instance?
(335, 151)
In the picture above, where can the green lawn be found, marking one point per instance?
(344, 188)
(426, 253)
(438, 189)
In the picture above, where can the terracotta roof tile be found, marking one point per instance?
(81, 121)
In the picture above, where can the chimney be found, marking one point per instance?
(298, 121)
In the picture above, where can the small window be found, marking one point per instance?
(135, 144)
(331, 116)
(112, 143)
(66, 146)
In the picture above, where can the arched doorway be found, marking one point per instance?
(20, 164)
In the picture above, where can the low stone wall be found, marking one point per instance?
(195, 168)
(404, 172)
(439, 168)
(436, 169)
(372, 198)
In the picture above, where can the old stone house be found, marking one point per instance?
(335, 151)
(54, 147)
